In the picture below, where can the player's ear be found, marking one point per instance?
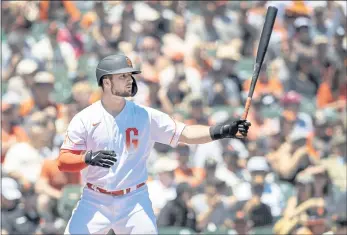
(106, 82)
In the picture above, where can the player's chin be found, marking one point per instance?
(126, 93)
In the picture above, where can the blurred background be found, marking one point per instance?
(288, 177)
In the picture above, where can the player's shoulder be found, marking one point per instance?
(89, 109)
(91, 113)
(138, 109)
(150, 112)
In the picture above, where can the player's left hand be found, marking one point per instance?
(103, 158)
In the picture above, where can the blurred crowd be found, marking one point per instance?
(289, 175)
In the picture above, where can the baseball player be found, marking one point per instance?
(110, 141)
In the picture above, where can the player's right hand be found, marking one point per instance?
(103, 158)
(230, 130)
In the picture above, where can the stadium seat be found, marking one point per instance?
(84, 65)
(175, 230)
(66, 204)
(244, 68)
(308, 106)
(273, 111)
(219, 231)
(39, 30)
(287, 190)
(229, 109)
(63, 85)
(264, 230)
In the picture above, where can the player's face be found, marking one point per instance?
(121, 84)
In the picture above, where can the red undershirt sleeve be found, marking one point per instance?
(71, 160)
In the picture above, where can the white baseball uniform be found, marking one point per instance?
(131, 134)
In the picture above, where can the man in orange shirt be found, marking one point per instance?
(42, 89)
(11, 133)
(50, 186)
(81, 94)
(259, 122)
(185, 173)
(265, 85)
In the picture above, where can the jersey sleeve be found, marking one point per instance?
(164, 129)
(76, 135)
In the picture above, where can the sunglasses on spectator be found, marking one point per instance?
(39, 123)
(44, 85)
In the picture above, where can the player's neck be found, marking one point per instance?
(113, 105)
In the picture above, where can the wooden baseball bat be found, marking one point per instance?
(262, 48)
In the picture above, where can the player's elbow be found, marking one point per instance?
(187, 137)
(195, 134)
(60, 163)
(183, 137)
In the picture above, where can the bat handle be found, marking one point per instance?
(244, 115)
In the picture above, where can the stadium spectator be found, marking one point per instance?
(163, 188)
(49, 188)
(210, 206)
(296, 159)
(178, 212)
(231, 171)
(185, 173)
(25, 155)
(42, 88)
(269, 192)
(15, 218)
(336, 162)
(11, 131)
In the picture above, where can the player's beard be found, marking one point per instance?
(116, 92)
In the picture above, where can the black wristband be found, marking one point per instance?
(216, 132)
(88, 157)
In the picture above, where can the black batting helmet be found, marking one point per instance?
(116, 64)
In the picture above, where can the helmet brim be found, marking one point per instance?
(125, 70)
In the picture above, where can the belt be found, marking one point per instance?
(114, 193)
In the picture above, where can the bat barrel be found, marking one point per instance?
(262, 48)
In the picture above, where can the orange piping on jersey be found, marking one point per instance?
(71, 160)
(175, 130)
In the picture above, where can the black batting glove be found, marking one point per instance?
(230, 130)
(103, 158)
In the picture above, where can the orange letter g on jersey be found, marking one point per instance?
(131, 138)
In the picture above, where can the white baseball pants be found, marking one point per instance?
(97, 213)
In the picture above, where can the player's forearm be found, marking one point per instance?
(199, 134)
(71, 161)
(195, 134)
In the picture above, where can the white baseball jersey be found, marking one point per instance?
(131, 134)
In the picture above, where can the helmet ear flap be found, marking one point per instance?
(134, 88)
